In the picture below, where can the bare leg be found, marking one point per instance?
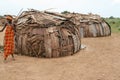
(13, 56)
(5, 58)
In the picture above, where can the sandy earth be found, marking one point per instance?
(99, 61)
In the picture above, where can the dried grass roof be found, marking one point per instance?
(85, 17)
(38, 17)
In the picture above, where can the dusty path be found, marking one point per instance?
(99, 61)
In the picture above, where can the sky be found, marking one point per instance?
(104, 8)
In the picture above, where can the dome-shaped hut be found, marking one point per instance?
(42, 35)
(91, 25)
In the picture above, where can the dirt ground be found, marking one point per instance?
(99, 61)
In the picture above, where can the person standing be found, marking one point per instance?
(9, 37)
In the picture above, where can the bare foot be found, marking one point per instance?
(13, 59)
(5, 61)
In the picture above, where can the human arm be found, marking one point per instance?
(14, 27)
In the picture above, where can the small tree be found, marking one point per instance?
(111, 17)
(65, 12)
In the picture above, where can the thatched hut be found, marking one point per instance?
(42, 35)
(91, 25)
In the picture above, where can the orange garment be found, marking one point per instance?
(9, 41)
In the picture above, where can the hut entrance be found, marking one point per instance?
(81, 32)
